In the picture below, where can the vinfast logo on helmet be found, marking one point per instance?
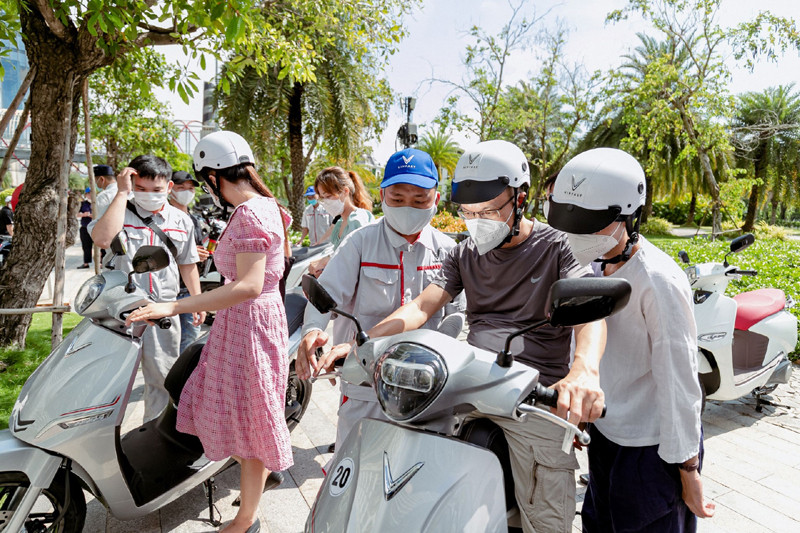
(472, 157)
(577, 184)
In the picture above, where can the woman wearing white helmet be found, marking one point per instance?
(505, 269)
(234, 400)
(645, 456)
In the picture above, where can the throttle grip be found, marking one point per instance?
(549, 397)
(164, 323)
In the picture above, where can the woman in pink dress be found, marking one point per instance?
(234, 400)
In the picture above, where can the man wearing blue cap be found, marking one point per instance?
(316, 220)
(377, 269)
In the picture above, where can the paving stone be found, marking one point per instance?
(761, 492)
(760, 513)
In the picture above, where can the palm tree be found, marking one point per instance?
(443, 150)
(287, 121)
(767, 130)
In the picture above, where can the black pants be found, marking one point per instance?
(631, 489)
(86, 244)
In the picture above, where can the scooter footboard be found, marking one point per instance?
(389, 478)
(39, 466)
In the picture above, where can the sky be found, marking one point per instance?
(437, 38)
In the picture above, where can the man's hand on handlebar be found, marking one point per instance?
(580, 398)
(327, 362)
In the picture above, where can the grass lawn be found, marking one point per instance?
(21, 363)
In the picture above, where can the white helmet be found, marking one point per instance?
(485, 170)
(596, 188)
(222, 149)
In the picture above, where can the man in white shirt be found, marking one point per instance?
(646, 454)
(148, 177)
(107, 181)
(316, 220)
(375, 270)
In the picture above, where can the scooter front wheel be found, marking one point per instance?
(298, 395)
(49, 506)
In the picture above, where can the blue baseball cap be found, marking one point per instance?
(411, 166)
(310, 191)
(88, 189)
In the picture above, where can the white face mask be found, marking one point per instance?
(487, 234)
(183, 197)
(546, 208)
(334, 206)
(150, 201)
(408, 220)
(587, 248)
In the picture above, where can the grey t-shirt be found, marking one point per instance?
(507, 289)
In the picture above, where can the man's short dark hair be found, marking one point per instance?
(151, 167)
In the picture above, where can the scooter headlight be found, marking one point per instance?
(88, 293)
(408, 377)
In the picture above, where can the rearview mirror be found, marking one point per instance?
(119, 244)
(740, 243)
(684, 257)
(150, 259)
(317, 294)
(581, 300)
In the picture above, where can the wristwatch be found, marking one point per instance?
(690, 467)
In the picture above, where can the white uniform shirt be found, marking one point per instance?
(164, 284)
(373, 273)
(317, 221)
(649, 369)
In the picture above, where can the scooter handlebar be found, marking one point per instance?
(549, 397)
(746, 272)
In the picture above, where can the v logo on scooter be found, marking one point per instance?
(391, 486)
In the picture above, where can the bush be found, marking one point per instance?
(656, 226)
(731, 228)
(446, 222)
(5, 194)
(765, 231)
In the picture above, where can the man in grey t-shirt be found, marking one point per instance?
(506, 269)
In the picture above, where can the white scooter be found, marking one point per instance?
(64, 430)
(426, 470)
(744, 341)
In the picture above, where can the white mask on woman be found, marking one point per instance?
(587, 248)
(150, 201)
(408, 220)
(334, 206)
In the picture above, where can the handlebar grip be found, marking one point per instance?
(747, 272)
(164, 323)
(549, 397)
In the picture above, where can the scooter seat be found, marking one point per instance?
(295, 310)
(302, 253)
(754, 306)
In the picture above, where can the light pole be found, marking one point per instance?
(408, 131)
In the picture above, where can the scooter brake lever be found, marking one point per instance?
(327, 375)
(572, 429)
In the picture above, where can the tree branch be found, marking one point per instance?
(49, 16)
(155, 39)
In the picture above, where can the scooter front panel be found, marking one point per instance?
(389, 478)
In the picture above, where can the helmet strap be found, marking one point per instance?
(215, 187)
(519, 212)
(632, 223)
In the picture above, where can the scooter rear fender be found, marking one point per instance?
(392, 479)
(39, 466)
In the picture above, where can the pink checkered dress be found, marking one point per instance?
(234, 401)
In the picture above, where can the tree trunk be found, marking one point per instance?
(33, 254)
(783, 211)
(23, 119)
(692, 209)
(73, 222)
(752, 207)
(774, 210)
(296, 153)
(648, 199)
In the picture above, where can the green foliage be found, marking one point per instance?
(766, 231)
(127, 118)
(7, 180)
(21, 363)
(5, 193)
(77, 182)
(657, 226)
(777, 263)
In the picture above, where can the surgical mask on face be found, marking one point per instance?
(334, 206)
(408, 220)
(312, 202)
(546, 207)
(150, 201)
(587, 248)
(487, 234)
(183, 197)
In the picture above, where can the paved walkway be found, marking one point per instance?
(752, 468)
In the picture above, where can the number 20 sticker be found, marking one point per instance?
(342, 476)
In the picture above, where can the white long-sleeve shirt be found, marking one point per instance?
(373, 272)
(649, 369)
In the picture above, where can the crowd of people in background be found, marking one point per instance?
(398, 273)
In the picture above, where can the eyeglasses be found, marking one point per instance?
(492, 214)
